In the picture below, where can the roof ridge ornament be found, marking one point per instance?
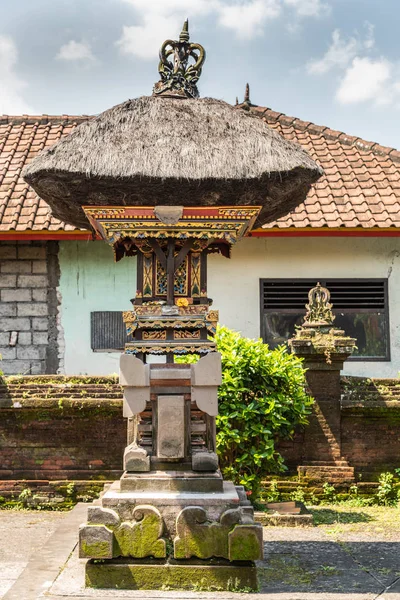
(246, 104)
(178, 78)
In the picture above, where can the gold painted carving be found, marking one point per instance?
(186, 335)
(147, 275)
(196, 287)
(154, 335)
(200, 347)
(213, 315)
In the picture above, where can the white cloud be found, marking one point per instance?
(145, 40)
(164, 8)
(11, 86)
(76, 51)
(342, 51)
(339, 54)
(159, 19)
(370, 35)
(367, 79)
(309, 8)
(247, 19)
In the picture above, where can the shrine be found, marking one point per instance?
(170, 179)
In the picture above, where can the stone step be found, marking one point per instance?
(326, 473)
(328, 469)
(324, 463)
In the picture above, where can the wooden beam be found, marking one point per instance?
(203, 276)
(158, 252)
(170, 271)
(139, 273)
(182, 254)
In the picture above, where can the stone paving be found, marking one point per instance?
(22, 534)
(299, 564)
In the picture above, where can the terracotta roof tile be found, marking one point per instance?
(361, 184)
(21, 138)
(360, 187)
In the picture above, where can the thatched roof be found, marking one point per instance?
(164, 151)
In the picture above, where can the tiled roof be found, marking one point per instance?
(361, 184)
(360, 188)
(21, 138)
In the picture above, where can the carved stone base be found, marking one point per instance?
(172, 481)
(214, 575)
(171, 503)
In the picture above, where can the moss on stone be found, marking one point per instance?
(166, 576)
(141, 539)
(58, 380)
(203, 541)
(244, 544)
(100, 550)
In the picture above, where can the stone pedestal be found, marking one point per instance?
(171, 520)
(324, 350)
(215, 576)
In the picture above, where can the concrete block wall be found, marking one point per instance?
(29, 336)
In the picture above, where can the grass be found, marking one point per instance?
(337, 519)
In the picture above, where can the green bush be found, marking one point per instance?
(386, 492)
(261, 400)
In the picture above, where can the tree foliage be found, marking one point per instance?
(261, 400)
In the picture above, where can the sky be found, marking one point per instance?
(333, 62)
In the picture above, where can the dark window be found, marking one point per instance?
(359, 305)
(107, 331)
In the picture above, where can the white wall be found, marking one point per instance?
(234, 284)
(90, 281)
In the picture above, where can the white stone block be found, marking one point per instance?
(171, 427)
(135, 400)
(208, 370)
(133, 372)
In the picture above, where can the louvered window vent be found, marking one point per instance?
(360, 307)
(108, 332)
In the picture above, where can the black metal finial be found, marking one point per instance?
(247, 94)
(246, 104)
(178, 78)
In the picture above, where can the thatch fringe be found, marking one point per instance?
(150, 150)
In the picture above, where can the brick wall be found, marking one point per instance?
(73, 428)
(29, 276)
(61, 428)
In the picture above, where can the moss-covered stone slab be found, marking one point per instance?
(96, 541)
(142, 538)
(161, 575)
(235, 537)
(200, 538)
(106, 537)
(246, 542)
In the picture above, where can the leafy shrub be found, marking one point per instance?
(261, 400)
(272, 494)
(329, 492)
(386, 492)
(298, 495)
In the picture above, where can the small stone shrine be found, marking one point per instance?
(171, 502)
(324, 348)
(169, 179)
